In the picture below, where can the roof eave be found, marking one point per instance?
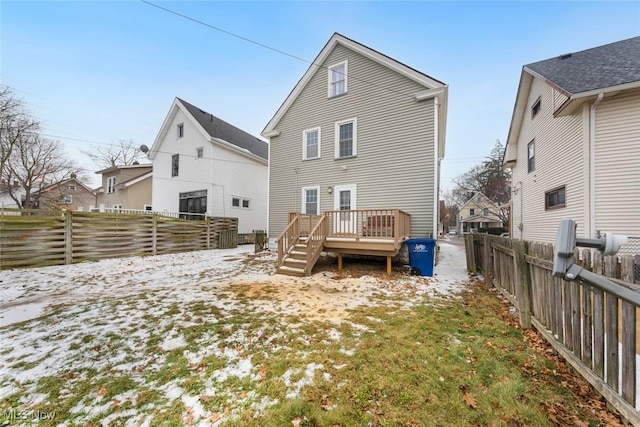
(238, 150)
(576, 100)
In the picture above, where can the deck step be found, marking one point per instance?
(295, 263)
(289, 271)
(298, 255)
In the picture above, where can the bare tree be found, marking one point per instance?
(35, 163)
(488, 178)
(15, 124)
(121, 153)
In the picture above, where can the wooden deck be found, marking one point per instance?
(377, 232)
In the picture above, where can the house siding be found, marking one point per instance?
(618, 164)
(559, 153)
(394, 167)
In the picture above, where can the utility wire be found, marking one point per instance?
(248, 40)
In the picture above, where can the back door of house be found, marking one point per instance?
(344, 199)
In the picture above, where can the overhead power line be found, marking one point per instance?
(248, 40)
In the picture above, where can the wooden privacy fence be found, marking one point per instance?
(37, 238)
(595, 330)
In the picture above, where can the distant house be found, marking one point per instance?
(357, 145)
(574, 143)
(204, 165)
(125, 187)
(6, 201)
(478, 212)
(69, 194)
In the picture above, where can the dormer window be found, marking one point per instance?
(338, 79)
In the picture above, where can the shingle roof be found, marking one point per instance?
(597, 68)
(220, 129)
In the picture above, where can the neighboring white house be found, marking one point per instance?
(478, 212)
(204, 165)
(574, 143)
(6, 201)
(360, 130)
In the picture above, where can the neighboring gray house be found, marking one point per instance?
(125, 187)
(574, 143)
(363, 134)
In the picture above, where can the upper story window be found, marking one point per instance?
(180, 130)
(338, 79)
(175, 164)
(72, 187)
(111, 184)
(199, 152)
(346, 138)
(485, 212)
(535, 108)
(68, 199)
(555, 198)
(472, 211)
(531, 156)
(311, 144)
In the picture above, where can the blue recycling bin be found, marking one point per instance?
(421, 255)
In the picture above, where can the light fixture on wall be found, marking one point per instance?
(330, 189)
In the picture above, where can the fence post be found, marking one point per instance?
(523, 288)
(208, 233)
(470, 253)
(154, 236)
(488, 261)
(68, 237)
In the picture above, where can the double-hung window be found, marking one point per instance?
(311, 200)
(311, 144)
(346, 138)
(111, 185)
(175, 164)
(338, 79)
(531, 156)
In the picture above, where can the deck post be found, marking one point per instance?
(339, 262)
(388, 265)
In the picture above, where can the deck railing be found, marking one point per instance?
(288, 237)
(315, 243)
(376, 223)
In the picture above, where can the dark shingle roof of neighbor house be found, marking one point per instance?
(220, 129)
(597, 68)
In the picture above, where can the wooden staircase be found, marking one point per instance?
(294, 262)
(298, 254)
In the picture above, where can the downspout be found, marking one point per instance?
(436, 165)
(268, 192)
(592, 165)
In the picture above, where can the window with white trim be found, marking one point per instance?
(199, 152)
(311, 144)
(239, 202)
(338, 79)
(111, 185)
(148, 208)
(180, 130)
(311, 200)
(72, 187)
(68, 199)
(535, 108)
(346, 138)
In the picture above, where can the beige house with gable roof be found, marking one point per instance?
(574, 143)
